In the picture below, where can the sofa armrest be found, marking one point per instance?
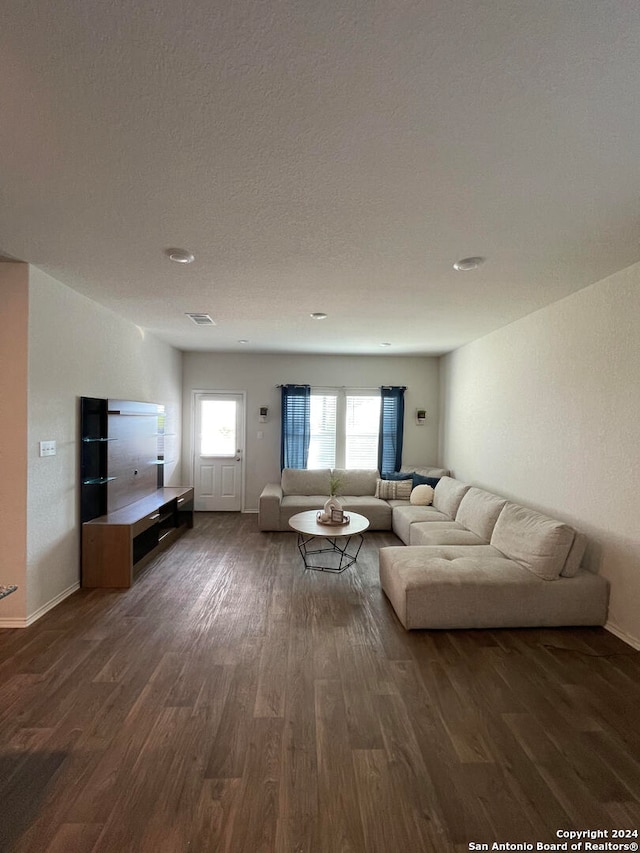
(269, 507)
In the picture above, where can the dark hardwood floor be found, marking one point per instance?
(232, 702)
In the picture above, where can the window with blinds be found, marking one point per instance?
(322, 443)
(362, 424)
(344, 426)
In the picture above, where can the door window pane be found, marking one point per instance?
(218, 428)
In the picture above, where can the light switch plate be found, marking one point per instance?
(47, 448)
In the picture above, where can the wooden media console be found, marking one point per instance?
(117, 545)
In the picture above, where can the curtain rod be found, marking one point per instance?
(342, 387)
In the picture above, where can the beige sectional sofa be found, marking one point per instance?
(476, 560)
(300, 490)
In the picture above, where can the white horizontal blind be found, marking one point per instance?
(362, 425)
(322, 443)
(344, 426)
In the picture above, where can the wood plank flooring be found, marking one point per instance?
(232, 703)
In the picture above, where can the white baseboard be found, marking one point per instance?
(13, 622)
(622, 635)
(18, 622)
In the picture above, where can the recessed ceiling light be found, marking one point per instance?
(318, 315)
(467, 264)
(385, 344)
(243, 341)
(180, 256)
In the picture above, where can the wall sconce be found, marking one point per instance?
(263, 412)
(421, 417)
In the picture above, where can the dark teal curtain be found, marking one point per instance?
(391, 429)
(296, 430)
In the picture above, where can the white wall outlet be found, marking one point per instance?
(47, 448)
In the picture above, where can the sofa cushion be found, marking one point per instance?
(479, 511)
(448, 494)
(293, 504)
(302, 503)
(404, 516)
(393, 489)
(305, 481)
(443, 533)
(538, 543)
(356, 481)
(305, 502)
(453, 552)
(378, 512)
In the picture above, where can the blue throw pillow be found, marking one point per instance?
(420, 480)
(398, 475)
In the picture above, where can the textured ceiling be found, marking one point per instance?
(321, 156)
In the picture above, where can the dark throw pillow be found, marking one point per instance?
(420, 480)
(397, 475)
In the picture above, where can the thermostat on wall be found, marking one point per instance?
(421, 417)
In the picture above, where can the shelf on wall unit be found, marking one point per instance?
(88, 440)
(98, 481)
(131, 414)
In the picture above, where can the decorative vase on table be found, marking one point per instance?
(332, 502)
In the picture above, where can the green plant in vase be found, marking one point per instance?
(335, 482)
(333, 503)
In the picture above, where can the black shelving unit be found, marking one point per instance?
(94, 459)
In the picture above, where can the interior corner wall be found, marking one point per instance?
(78, 348)
(258, 376)
(14, 318)
(546, 411)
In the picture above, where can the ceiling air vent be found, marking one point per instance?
(201, 319)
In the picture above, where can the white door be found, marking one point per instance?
(218, 451)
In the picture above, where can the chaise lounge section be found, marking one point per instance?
(476, 560)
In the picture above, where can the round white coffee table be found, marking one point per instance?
(339, 552)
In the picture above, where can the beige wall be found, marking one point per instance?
(547, 411)
(76, 348)
(258, 376)
(14, 318)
